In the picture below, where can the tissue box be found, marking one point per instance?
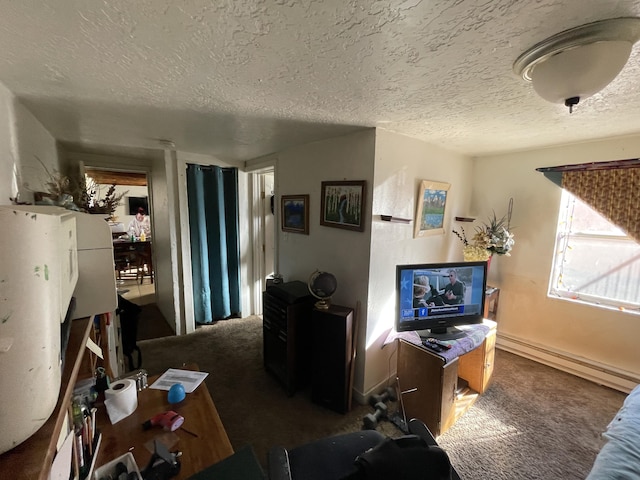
(110, 468)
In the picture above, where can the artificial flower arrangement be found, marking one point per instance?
(73, 192)
(492, 237)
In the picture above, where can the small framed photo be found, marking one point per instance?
(295, 214)
(432, 201)
(343, 204)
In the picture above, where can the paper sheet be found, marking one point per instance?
(61, 467)
(188, 378)
(91, 345)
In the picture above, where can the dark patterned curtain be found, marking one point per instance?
(610, 188)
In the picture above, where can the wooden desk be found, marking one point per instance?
(143, 250)
(435, 400)
(201, 418)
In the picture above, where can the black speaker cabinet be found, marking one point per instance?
(331, 357)
(286, 313)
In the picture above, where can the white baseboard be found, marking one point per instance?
(363, 398)
(596, 372)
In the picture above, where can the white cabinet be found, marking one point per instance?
(38, 274)
(95, 292)
(47, 255)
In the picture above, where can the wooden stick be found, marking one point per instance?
(354, 346)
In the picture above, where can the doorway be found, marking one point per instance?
(133, 262)
(265, 211)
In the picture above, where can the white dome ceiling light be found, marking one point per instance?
(579, 62)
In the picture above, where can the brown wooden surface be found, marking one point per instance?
(110, 177)
(449, 412)
(489, 359)
(420, 369)
(476, 366)
(331, 333)
(201, 418)
(32, 458)
(491, 304)
(435, 401)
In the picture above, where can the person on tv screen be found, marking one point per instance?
(424, 295)
(139, 224)
(454, 290)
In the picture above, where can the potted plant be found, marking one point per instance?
(492, 237)
(75, 193)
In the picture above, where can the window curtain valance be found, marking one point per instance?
(610, 188)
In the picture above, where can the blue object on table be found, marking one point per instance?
(176, 393)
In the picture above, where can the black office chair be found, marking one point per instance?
(343, 457)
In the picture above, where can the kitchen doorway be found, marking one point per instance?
(133, 261)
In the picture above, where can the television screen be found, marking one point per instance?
(137, 202)
(434, 298)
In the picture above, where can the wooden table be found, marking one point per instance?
(201, 418)
(140, 249)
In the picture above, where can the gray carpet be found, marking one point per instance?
(534, 422)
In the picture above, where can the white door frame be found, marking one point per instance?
(258, 200)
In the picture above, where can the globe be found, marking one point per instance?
(322, 285)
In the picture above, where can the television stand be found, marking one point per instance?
(438, 399)
(444, 333)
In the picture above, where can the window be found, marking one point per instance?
(595, 262)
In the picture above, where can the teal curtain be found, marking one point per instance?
(215, 249)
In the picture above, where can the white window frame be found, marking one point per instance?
(564, 234)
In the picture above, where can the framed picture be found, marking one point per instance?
(343, 204)
(295, 213)
(432, 201)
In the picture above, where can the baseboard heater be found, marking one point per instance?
(596, 372)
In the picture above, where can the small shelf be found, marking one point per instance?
(391, 218)
(32, 458)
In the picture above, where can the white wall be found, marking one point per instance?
(401, 163)
(8, 155)
(158, 206)
(36, 149)
(344, 253)
(122, 211)
(607, 337)
(22, 139)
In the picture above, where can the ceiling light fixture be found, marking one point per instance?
(579, 62)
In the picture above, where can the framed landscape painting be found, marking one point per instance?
(432, 201)
(295, 214)
(343, 204)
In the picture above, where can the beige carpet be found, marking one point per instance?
(534, 422)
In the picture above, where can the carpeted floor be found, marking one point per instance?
(534, 422)
(152, 324)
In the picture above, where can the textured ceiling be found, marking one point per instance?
(240, 78)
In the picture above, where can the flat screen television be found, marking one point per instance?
(434, 298)
(138, 202)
